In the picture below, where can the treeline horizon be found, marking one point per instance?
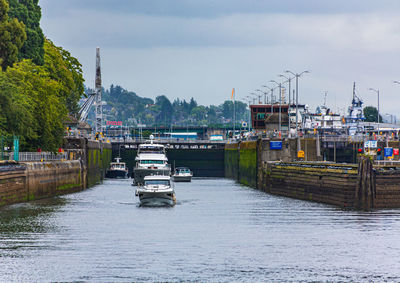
(127, 106)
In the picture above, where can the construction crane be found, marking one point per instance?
(94, 99)
(85, 107)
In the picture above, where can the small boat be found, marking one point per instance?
(156, 191)
(117, 169)
(182, 174)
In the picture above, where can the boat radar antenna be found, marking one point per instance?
(151, 139)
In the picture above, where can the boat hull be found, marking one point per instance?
(116, 174)
(156, 198)
(178, 178)
(140, 173)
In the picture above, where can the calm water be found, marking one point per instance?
(218, 232)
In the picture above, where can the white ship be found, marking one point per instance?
(150, 160)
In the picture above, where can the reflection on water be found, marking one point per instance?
(218, 231)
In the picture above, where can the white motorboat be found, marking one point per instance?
(182, 174)
(117, 169)
(156, 191)
(150, 160)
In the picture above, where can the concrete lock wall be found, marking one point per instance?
(247, 173)
(321, 182)
(47, 179)
(97, 160)
(231, 160)
(12, 183)
(26, 181)
(20, 182)
(361, 186)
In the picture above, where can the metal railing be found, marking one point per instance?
(387, 163)
(40, 156)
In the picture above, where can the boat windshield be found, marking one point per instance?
(151, 162)
(151, 149)
(157, 182)
(118, 166)
(182, 171)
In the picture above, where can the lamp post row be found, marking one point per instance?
(279, 85)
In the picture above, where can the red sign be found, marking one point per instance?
(114, 123)
(395, 151)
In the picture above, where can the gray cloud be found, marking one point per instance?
(204, 48)
(217, 8)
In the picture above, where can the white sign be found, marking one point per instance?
(370, 144)
(244, 124)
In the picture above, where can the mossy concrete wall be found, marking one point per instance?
(47, 179)
(12, 182)
(231, 160)
(320, 182)
(98, 158)
(25, 181)
(20, 182)
(248, 163)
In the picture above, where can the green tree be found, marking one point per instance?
(166, 110)
(12, 37)
(371, 114)
(62, 67)
(199, 113)
(29, 12)
(36, 111)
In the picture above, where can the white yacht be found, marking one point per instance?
(117, 169)
(156, 190)
(150, 160)
(182, 174)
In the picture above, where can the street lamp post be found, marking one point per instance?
(289, 80)
(259, 96)
(254, 97)
(265, 95)
(272, 94)
(297, 75)
(377, 92)
(249, 120)
(280, 105)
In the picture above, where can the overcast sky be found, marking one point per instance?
(204, 48)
